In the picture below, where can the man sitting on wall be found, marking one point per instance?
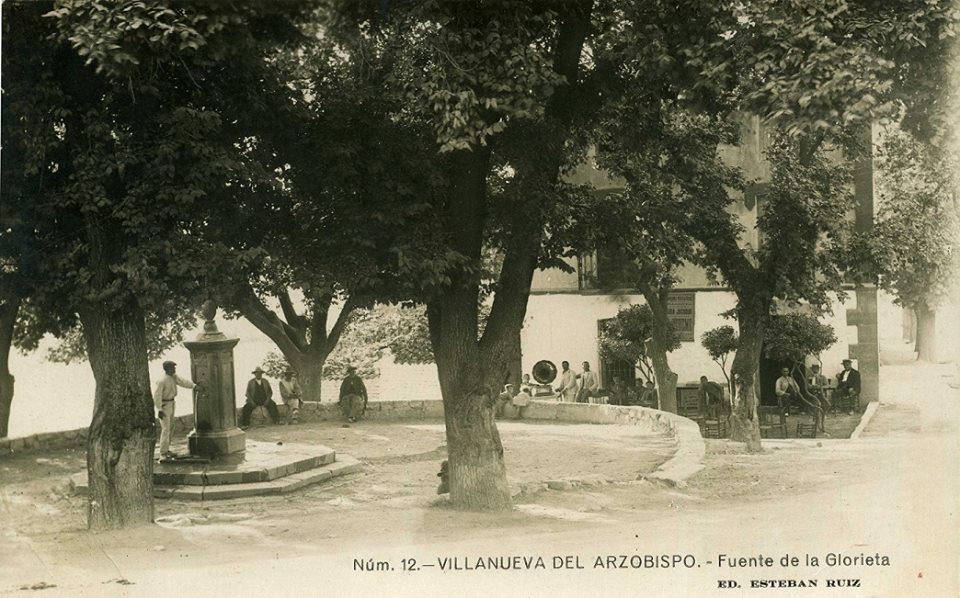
(353, 395)
(589, 384)
(259, 393)
(649, 398)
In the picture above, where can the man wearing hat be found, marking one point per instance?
(848, 383)
(353, 395)
(164, 399)
(258, 393)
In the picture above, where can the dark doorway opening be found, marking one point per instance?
(769, 372)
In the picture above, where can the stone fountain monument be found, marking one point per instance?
(215, 434)
(222, 464)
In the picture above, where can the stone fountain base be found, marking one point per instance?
(267, 469)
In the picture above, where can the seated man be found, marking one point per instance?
(259, 393)
(788, 391)
(521, 400)
(353, 395)
(649, 397)
(589, 384)
(505, 396)
(618, 392)
(848, 386)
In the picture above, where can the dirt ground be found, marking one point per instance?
(401, 461)
(890, 490)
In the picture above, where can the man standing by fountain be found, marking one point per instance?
(164, 398)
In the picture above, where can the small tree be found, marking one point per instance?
(720, 343)
(629, 337)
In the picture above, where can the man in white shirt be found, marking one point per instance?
(164, 398)
(589, 384)
(787, 389)
(568, 383)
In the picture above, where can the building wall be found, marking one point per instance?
(564, 327)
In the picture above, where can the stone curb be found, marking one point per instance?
(868, 414)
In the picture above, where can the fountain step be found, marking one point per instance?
(268, 469)
(345, 464)
(263, 462)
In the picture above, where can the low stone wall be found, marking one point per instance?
(685, 462)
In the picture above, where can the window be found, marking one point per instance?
(681, 309)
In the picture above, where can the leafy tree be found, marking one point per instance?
(448, 65)
(368, 335)
(913, 247)
(122, 145)
(629, 336)
(720, 343)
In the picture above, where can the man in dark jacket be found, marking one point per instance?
(258, 393)
(848, 386)
(353, 395)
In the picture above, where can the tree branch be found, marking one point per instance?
(334, 337)
(290, 313)
(318, 324)
(282, 334)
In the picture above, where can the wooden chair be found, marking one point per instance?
(849, 403)
(714, 423)
(689, 404)
(807, 429)
(772, 421)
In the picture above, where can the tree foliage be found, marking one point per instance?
(627, 337)
(720, 342)
(913, 248)
(792, 337)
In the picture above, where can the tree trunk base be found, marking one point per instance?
(121, 475)
(6, 400)
(746, 431)
(477, 471)
(926, 345)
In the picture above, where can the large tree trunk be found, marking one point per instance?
(308, 367)
(657, 346)
(477, 472)
(926, 346)
(8, 317)
(744, 425)
(123, 431)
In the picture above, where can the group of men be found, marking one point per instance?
(577, 388)
(789, 395)
(259, 393)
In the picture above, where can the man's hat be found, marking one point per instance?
(259, 370)
(846, 361)
(351, 368)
